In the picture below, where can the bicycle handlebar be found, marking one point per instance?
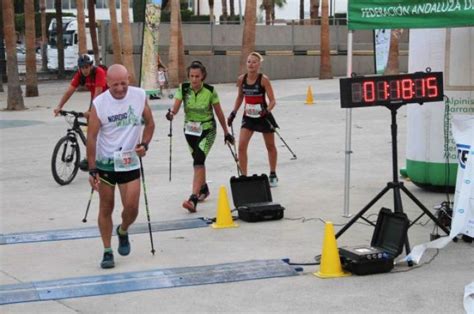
(71, 113)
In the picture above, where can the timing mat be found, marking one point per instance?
(93, 232)
(143, 280)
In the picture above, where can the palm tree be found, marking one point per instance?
(15, 99)
(393, 53)
(232, 8)
(314, 11)
(59, 38)
(211, 11)
(248, 36)
(93, 30)
(225, 15)
(3, 58)
(116, 46)
(176, 50)
(127, 42)
(44, 37)
(301, 11)
(267, 5)
(325, 69)
(31, 77)
(81, 27)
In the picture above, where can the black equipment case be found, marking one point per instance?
(253, 199)
(387, 243)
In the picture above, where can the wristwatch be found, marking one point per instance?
(144, 145)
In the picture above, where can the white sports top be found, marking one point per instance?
(120, 125)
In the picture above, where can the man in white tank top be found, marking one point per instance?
(114, 149)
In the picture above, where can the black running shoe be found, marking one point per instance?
(203, 193)
(108, 260)
(124, 244)
(191, 203)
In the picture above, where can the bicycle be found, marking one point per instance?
(67, 153)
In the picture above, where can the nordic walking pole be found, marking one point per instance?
(84, 220)
(239, 171)
(146, 206)
(171, 143)
(281, 138)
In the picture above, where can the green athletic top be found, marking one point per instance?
(198, 105)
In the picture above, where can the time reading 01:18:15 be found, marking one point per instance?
(407, 89)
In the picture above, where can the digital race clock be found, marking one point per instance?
(419, 87)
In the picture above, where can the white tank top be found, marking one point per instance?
(121, 123)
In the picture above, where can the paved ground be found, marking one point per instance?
(310, 188)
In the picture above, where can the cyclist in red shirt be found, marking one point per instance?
(92, 77)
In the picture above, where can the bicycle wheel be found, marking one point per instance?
(65, 160)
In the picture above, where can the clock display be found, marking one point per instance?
(387, 90)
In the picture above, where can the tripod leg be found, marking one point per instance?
(362, 211)
(424, 209)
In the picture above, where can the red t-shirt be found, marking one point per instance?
(99, 80)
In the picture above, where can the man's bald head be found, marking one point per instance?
(117, 79)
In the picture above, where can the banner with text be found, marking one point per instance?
(381, 14)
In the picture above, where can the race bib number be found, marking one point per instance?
(126, 161)
(193, 128)
(253, 110)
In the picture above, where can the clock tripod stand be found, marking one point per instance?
(397, 188)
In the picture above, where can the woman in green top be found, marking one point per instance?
(200, 103)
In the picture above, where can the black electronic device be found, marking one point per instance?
(392, 92)
(253, 198)
(387, 243)
(386, 90)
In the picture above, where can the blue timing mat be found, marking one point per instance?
(93, 232)
(145, 280)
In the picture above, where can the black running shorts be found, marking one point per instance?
(112, 177)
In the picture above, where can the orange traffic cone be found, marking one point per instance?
(309, 96)
(224, 216)
(330, 266)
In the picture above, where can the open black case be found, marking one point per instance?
(387, 243)
(253, 199)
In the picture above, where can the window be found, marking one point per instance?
(65, 4)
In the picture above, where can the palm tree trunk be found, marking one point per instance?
(211, 11)
(232, 8)
(59, 38)
(93, 30)
(81, 27)
(181, 61)
(127, 42)
(301, 12)
(248, 36)
(44, 37)
(393, 53)
(225, 14)
(14, 99)
(176, 50)
(314, 11)
(267, 6)
(31, 77)
(325, 69)
(3, 62)
(116, 46)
